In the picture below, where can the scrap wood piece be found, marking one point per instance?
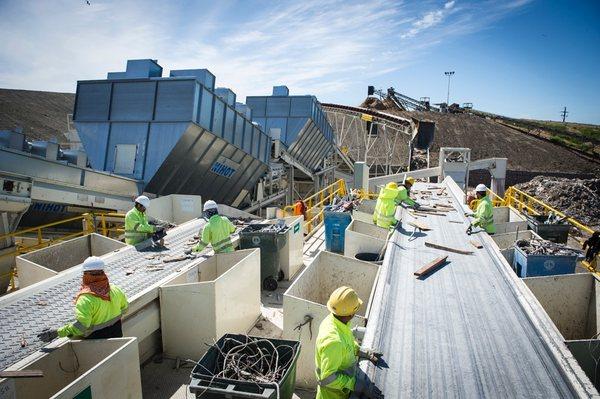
(420, 226)
(175, 258)
(429, 213)
(449, 249)
(476, 244)
(456, 221)
(431, 266)
(21, 373)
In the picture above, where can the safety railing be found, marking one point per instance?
(530, 205)
(315, 205)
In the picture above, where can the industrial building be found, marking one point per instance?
(454, 314)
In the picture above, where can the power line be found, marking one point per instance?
(564, 113)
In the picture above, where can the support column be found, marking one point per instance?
(361, 176)
(498, 173)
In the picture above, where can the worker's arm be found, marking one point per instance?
(122, 298)
(204, 239)
(478, 214)
(585, 244)
(331, 374)
(143, 226)
(83, 316)
(231, 227)
(403, 197)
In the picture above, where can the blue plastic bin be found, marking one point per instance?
(542, 265)
(335, 230)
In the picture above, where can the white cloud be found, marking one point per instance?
(313, 46)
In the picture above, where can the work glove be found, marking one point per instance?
(416, 206)
(47, 335)
(370, 355)
(187, 251)
(367, 390)
(470, 229)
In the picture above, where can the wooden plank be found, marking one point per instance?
(437, 246)
(456, 221)
(476, 244)
(429, 213)
(421, 226)
(21, 374)
(431, 266)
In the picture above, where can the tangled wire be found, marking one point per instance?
(251, 359)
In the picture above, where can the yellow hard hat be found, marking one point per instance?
(344, 301)
(410, 180)
(392, 185)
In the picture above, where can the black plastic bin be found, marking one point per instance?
(558, 233)
(270, 243)
(204, 385)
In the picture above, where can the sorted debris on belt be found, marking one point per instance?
(431, 266)
(545, 247)
(420, 226)
(442, 247)
(255, 360)
(476, 244)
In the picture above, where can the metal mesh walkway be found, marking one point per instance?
(25, 317)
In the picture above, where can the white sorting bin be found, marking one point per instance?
(44, 263)
(308, 295)
(364, 211)
(507, 219)
(363, 237)
(220, 295)
(95, 368)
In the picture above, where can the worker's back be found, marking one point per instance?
(335, 359)
(217, 232)
(385, 208)
(485, 215)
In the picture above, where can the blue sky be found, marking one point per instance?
(522, 58)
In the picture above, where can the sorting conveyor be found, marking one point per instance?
(50, 303)
(470, 329)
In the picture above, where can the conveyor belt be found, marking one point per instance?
(468, 330)
(24, 317)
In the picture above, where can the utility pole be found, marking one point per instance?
(564, 113)
(449, 74)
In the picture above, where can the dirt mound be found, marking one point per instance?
(577, 198)
(373, 103)
(488, 139)
(41, 114)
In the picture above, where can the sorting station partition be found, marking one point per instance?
(218, 296)
(308, 295)
(364, 211)
(176, 208)
(571, 301)
(44, 263)
(81, 369)
(363, 237)
(507, 219)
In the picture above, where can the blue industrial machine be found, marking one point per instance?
(298, 122)
(177, 134)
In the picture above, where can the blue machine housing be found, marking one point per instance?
(174, 134)
(302, 124)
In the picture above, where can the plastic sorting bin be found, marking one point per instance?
(270, 243)
(558, 233)
(527, 265)
(205, 385)
(335, 230)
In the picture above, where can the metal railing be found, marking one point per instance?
(316, 203)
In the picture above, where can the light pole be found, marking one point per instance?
(449, 74)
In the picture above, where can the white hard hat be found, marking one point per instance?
(93, 263)
(210, 204)
(481, 188)
(143, 201)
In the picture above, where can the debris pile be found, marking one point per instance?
(544, 247)
(252, 359)
(576, 198)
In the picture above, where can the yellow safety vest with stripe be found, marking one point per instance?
(385, 208)
(335, 359)
(93, 313)
(137, 228)
(217, 232)
(403, 196)
(484, 215)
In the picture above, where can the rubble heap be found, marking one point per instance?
(577, 198)
(545, 247)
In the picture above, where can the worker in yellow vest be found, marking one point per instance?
(99, 306)
(337, 352)
(404, 193)
(484, 214)
(217, 232)
(385, 208)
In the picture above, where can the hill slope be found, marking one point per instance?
(41, 114)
